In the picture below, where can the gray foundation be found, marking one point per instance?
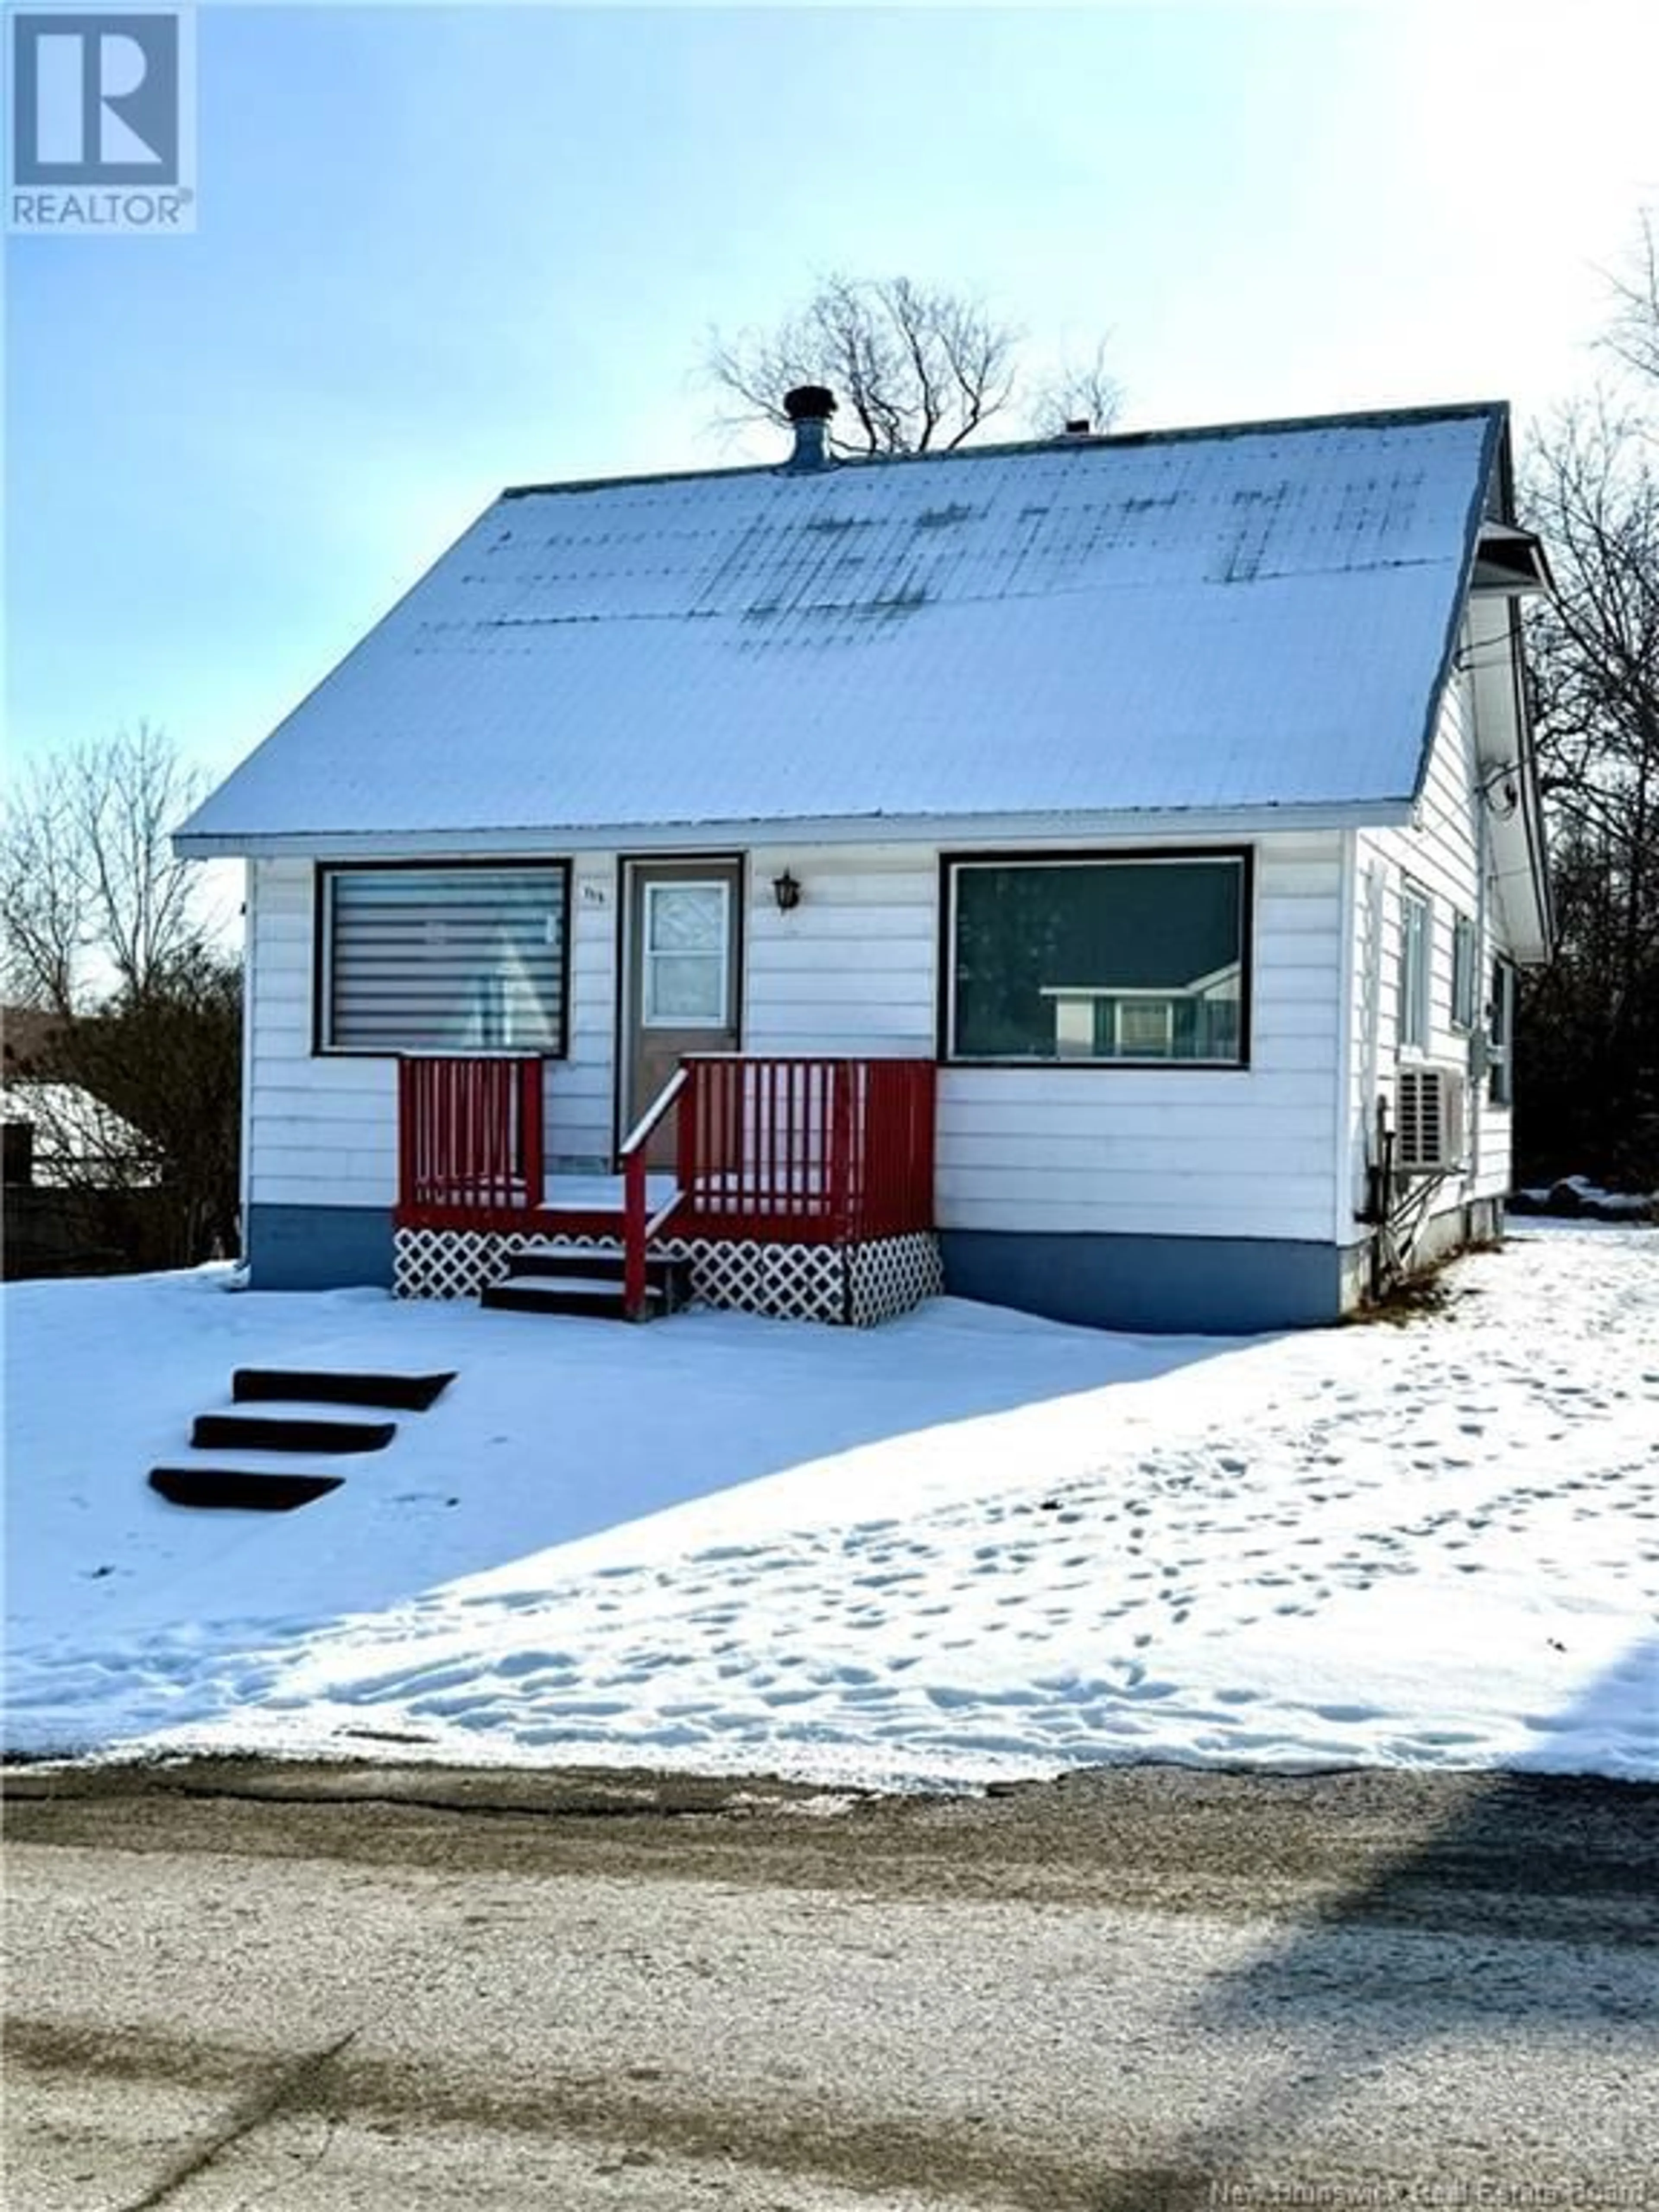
(1209, 1286)
(1197, 1285)
(318, 1247)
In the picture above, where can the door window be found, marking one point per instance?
(686, 956)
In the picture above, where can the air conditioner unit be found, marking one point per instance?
(1430, 1125)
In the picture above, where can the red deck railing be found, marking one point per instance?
(780, 1150)
(817, 1151)
(469, 1140)
(790, 1149)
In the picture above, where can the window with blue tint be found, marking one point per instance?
(1141, 959)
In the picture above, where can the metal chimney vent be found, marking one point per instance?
(809, 407)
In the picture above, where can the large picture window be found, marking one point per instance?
(1137, 960)
(438, 959)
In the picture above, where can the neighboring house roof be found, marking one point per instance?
(78, 1139)
(1196, 623)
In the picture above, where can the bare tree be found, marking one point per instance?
(45, 923)
(130, 1071)
(92, 901)
(917, 368)
(1075, 389)
(1590, 1025)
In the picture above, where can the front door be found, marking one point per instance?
(681, 986)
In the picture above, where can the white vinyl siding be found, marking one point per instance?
(1440, 857)
(854, 969)
(436, 959)
(323, 1130)
(1172, 1151)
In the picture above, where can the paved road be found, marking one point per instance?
(246, 1989)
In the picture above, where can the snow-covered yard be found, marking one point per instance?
(964, 1547)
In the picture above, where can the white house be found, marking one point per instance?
(1097, 864)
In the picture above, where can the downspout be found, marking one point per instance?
(1480, 798)
(1343, 1209)
(1379, 1194)
(1479, 1033)
(250, 971)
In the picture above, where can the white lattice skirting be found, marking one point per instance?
(853, 1284)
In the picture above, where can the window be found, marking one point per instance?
(1500, 1035)
(1463, 980)
(443, 959)
(1144, 1028)
(1414, 928)
(685, 955)
(1100, 960)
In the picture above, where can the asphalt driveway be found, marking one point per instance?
(238, 1986)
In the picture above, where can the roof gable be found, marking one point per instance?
(1259, 617)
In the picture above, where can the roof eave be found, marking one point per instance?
(1495, 469)
(526, 841)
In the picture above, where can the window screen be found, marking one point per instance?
(444, 959)
(1500, 1035)
(1465, 977)
(1101, 960)
(1414, 926)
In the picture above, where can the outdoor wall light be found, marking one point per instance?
(786, 891)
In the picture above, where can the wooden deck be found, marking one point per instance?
(780, 1150)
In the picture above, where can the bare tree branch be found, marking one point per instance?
(917, 368)
(1633, 334)
(132, 1087)
(1590, 1025)
(92, 901)
(45, 914)
(1078, 390)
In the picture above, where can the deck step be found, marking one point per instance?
(252, 1432)
(239, 1488)
(568, 1294)
(409, 1394)
(602, 1263)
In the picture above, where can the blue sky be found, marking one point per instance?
(442, 249)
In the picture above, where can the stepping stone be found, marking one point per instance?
(410, 1393)
(236, 1488)
(249, 1432)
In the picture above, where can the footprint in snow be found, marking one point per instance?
(533, 1662)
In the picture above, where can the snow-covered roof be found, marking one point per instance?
(1200, 622)
(77, 1137)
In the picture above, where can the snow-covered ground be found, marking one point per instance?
(965, 1545)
